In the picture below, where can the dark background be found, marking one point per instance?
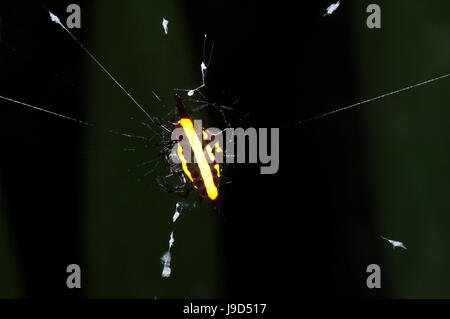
(71, 195)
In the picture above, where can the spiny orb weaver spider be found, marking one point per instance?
(202, 173)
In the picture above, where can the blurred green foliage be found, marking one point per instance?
(408, 142)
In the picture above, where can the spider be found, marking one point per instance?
(201, 174)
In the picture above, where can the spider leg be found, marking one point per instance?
(176, 188)
(159, 180)
(167, 143)
(200, 107)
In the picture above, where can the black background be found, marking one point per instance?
(284, 234)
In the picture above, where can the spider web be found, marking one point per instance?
(153, 130)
